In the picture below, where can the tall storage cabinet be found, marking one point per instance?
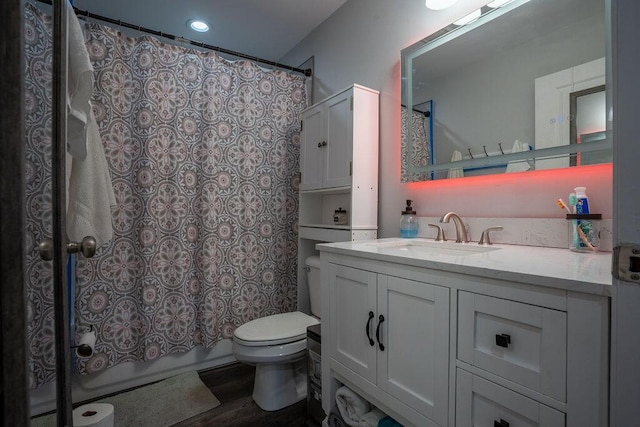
(338, 170)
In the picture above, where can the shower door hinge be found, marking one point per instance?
(626, 263)
(351, 168)
(351, 103)
(301, 125)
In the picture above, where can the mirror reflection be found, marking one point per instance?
(495, 95)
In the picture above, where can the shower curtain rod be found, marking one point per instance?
(86, 13)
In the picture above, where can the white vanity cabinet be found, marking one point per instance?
(540, 362)
(466, 345)
(339, 170)
(390, 338)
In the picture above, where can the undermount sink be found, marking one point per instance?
(432, 247)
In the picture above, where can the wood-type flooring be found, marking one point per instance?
(233, 385)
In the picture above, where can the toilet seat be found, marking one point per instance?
(274, 330)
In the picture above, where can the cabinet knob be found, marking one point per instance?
(371, 342)
(503, 340)
(501, 423)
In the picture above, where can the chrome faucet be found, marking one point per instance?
(461, 231)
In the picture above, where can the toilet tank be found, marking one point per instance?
(313, 281)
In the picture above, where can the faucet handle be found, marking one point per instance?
(440, 237)
(484, 239)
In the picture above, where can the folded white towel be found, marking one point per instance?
(351, 406)
(90, 192)
(518, 165)
(371, 418)
(79, 87)
(455, 172)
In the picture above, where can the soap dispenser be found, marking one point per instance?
(409, 222)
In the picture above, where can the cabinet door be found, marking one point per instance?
(352, 294)
(481, 403)
(312, 148)
(414, 364)
(339, 150)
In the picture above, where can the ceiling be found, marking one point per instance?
(267, 29)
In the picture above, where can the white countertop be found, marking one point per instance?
(549, 267)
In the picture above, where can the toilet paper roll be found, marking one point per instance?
(93, 415)
(86, 344)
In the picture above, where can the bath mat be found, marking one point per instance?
(163, 403)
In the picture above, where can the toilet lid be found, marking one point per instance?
(276, 329)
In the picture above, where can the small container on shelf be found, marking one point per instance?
(340, 217)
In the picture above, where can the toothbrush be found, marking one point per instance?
(561, 203)
(584, 239)
(573, 201)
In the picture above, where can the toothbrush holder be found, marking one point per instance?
(584, 232)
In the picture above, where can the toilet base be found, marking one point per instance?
(277, 386)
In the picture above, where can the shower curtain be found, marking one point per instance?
(203, 155)
(417, 155)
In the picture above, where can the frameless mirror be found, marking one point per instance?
(493, 95)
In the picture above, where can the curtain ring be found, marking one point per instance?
(469, 150)
(500, 145)
(484, 147)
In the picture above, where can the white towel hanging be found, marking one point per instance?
(455, 172)
(79, 88)
(518, 165)
(90, 193)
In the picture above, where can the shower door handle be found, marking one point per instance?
(87, 247)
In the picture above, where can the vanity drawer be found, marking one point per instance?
(522, 343)
(482, 403)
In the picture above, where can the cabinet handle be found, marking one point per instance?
(501, 423)
(503, 340)
(371, 342)
(322, 144)
(380, 321)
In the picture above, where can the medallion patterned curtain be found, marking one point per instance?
(203, 155)
(417, 154)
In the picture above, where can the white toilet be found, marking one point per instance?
(277, 346)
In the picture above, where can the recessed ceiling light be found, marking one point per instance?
(197, 25)
(439, 4)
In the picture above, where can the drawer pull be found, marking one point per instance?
(371, 342)
(503, 340)
(501, 423)
(380, 320)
